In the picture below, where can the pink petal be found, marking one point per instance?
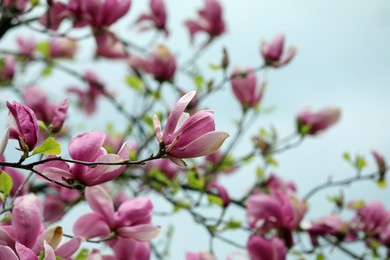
(4, 141)
(177, 110)
(103, 173)
(140, 232)
(91, 225)
(157, 127)
(7, 253)
(85, 146)
(100, 202)
(51, 236)
(49, 252)
(24, 252)
(137, 210)
(204, 145)
(69, 248)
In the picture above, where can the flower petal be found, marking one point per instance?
(69, 248)
(140, 232)
(91, 225)
(84, 147)
(204, 145)
(100, 202)
(7, 253)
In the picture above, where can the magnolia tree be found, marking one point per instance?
(168, 152)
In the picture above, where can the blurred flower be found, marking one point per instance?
(160, 63)
(131, 220)
(381, 164)
(7, 69)
(221, 191)
(56, 13)
(260, 248)
(210, 21)
(27, 237)
(62, 48)
(26, 46)
(244, 87)
(23, 126)
(312, 123)
(157, 16)
(86, 147)
(18, 5)
(273, 52)
(87, 99)
(188, 136)
(328, 225)
(204, 255)
(53, 115)
(108, 46)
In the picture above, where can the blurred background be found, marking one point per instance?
(343, 60)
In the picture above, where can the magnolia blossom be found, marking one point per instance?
(245, 87)
(124, 248)
(381, 164)
(274, 182)
(328, 225)
(26, 46)
(157, 16)
(7, 69)
(372, 219)
(53, 115)
(313, 123)
(160, 63)
(210, 20)
(62, 48)
(19, 5)
(56, 13)
(188, 136)
(273, 52)
(131, 220)
(260, 248)
(88, 148)
(221, 191)
(25, 237)
(108, 46)
(204, 255)
(23, 125)
(87, 99)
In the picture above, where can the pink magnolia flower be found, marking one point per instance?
(221, 191)
(26, 237)
(188, 136)
(88, 98)
(88, 148)
(274, 182)
(215, 158)
(312, 123)
(7, 69)
(260, 248)
(204, 255)
(62, 48)
(53, 115)
(19, 5)
(372, 219)
(210, 21)
(160, 63)
(131, 220)
(158, 16)
(328, 225)
(273, 52)
(245, 87)
(56, 13)
(103, 13)
(26, 46)
(23, 125)
(55, 206)
(108, 46)
(169, 169)
(279, 210)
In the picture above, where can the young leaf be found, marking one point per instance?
(135, 82)
(213, 199)
(5, 183)
(49, 146)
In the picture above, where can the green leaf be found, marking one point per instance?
(47, 71)
(49, 146)
(199, 81)
(82, 255)
(382, 184)
(42, 126)
(346, 156)
(5, 183)
(259, 172)
(271, 161)
(135, 82)
(233, 224)
(215, 67)
(213, 199)
(194, 181)
(358, 204)
(320, 256)
(43, 48)
(360, 162)
(181, 204)
(41, 256)
(6, 218)
(34, 2)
